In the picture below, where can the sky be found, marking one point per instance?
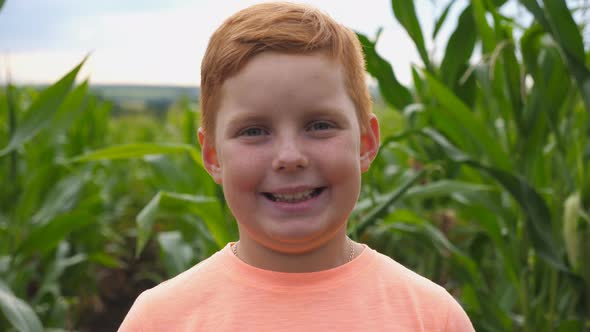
(162, 42)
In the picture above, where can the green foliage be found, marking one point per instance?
(135, 150)
(77, 181)
(18, 312)
(40, 114)
(208, 209)
(405, 13)
(391, 90)
(515, 123)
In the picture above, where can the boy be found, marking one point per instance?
(287, 130)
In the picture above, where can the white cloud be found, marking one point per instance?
(39, 67)
(166, 46)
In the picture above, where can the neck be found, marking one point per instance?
(331, 254)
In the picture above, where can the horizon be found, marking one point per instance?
(153, 43)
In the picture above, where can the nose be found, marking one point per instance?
(289, 156)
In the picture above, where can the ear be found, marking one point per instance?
(369, 143)
(209, 155)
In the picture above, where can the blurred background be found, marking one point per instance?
(481, 183)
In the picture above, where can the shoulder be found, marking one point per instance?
(399, 276)
(189, 280)
(422, 297)
(172, 297)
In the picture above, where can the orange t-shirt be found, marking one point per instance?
(370, 293)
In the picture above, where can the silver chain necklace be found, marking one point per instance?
(235, 249)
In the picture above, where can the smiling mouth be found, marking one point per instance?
(295, 197)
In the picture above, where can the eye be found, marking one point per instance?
(253, 131)
(320, 125)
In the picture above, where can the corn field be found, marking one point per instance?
(482, 182)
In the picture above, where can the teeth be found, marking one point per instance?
(295, 197)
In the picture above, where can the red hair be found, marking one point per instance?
(281, 27)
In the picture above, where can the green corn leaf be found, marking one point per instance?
(497, 3)
(73, 104)
(450, 150)
(556, 19)
(136, 150)
(441, 20)
(445, 188)
(538, 215)
(189, 123)
(569, 325)
(459, 48)
(567, 34)
(477, 205)
(512, 75)
(145, 222)
(209, 209)
(552, 85)
(56, 269)
(418, 82)
(407, 222)
(480, 208)
(492, 105)
(537, 11)
(463, 262)
(178, 254)
(393, 92)
(486, 33)
(20, 315)
(40, 114)
(382, 209)
(585, 181)
(405, 13)
(62, 197)
(47, 236)
(462, 125)
(2, 4)
(530, 45)
(172, 175)
(106, 260)
(565, 29)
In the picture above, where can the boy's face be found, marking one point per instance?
(288, 150)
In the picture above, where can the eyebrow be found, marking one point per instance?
(239, 120)
(327, 112)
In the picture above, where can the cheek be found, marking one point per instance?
(241, 169)
(340, 160)
(241, 177)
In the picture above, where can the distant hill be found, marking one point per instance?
(138, 98)
(144, 97)
(144, 92)
(126, 93)
(159, 98)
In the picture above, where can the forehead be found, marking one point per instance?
(288, 82)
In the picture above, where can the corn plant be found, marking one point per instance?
(42, 202)
(60, 224)
(505, 204)
(189, 211)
